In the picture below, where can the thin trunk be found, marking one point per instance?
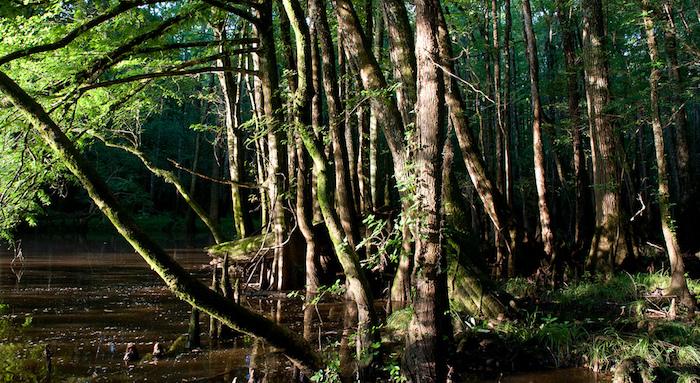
(507, 120)
(494, 203)
(316, 106)
(277, 155)
(678, 286)
(234, 139)
(214, 187)
(256, 100)
(499, 123)
(375, 178)
(189, 216)
(403, 58)
(193, 330)
(537, 146)
(343, 199)
(581, 232)
(385, 107)
(680, 132)
(402, 55)
(358, 285)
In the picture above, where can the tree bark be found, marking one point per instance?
(234, 139)
(402, 55)
(425, 355)
(537, 146)
(609, 246)
(343, 197)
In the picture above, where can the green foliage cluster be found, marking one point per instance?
(19, 363)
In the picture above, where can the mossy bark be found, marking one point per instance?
(357, 284)
(470, 292)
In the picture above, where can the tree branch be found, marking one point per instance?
(167, 73)
(76, 32)
(98, 66)
(242, 13)
(194, 44)
(244, 185)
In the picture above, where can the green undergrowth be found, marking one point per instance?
(593, 323)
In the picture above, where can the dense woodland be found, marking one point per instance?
(431, 154)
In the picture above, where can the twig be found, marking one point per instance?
(639, 212)
(463, 81)
(244, 185)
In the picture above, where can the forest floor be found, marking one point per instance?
(622, 323)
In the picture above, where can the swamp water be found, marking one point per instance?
(88, 300)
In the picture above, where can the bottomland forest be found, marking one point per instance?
(349, 191)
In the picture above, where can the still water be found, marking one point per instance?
(88, 299)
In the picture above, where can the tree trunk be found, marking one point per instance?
(343, 197)
(494, 203)
(402, 55)
(680, 120)
(507, 121)
(425, 355)
(277, 155)
(386, 110)
(357, 284)
(234, 139)
(678, 286)
(537, 147)
(189, 216)
(581, 232)
(403, 59)
(609, 246)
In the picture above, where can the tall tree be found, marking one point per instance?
(425, 354)
(678, 286)
(609, 245)
(537, 145)
(234, 140)
(573, 100)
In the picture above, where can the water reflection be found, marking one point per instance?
(89, 300)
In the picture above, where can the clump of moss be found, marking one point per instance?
(397, 323)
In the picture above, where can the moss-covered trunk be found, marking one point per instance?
(178, 280)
